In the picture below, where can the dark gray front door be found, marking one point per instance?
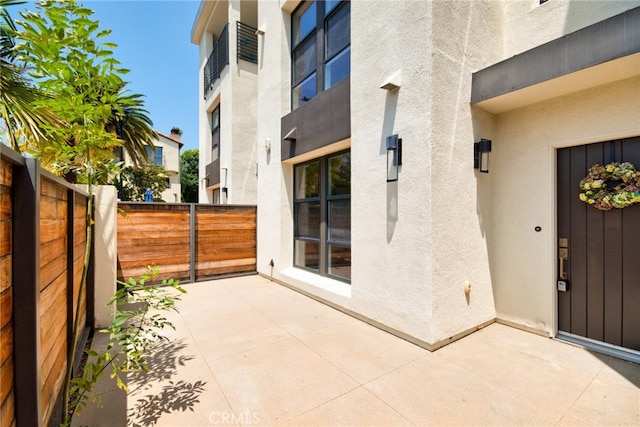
(603, 266)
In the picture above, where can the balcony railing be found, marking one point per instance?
(217, 60)
(247, 50)
(247, 43)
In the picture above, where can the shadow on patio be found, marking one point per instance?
(247, 351)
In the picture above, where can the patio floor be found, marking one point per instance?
(251, 352)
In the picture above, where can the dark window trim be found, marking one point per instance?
(213, 128)
(324, 242)
(315, 70)
(318, 32)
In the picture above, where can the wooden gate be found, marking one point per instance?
(602, 301)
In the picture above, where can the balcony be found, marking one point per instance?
(217, 60)
(247, 50)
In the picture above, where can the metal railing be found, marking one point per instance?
(247, 50)
(247, 43)
(217, 60)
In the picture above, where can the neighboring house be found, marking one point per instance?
(226, 33)
(167, 155)
(445, 249)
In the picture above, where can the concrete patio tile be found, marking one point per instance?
(110, 412)
(212, 307)
(296, 313)
(613, 397)
(361, 350)
(547, 382)
(252, 285)
(190, 397)
(167, 361)
(355, 408)
(569, 421)
(434, 391)
(278, 382)
(241, 331)
(247, 351)
(552, 351)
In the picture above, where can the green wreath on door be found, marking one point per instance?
(616, 185)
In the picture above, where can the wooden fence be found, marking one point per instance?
(43, 225)
(188, 242)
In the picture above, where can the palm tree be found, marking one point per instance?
(133, 127)
(18, 98)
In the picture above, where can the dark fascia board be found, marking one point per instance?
(212, 173)
(605, 41)
(322, 121)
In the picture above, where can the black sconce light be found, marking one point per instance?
(481, 150)
(394, 157)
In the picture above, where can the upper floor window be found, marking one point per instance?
(215, 134)
(157, 156)
(321, 39)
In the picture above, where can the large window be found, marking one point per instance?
(322, 215)
(156, 156)
(321, 39)
(215, 134)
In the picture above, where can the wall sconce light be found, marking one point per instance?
(394, 157)
(481, 150)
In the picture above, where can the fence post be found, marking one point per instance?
(90, 287)
(71, 243)
(192, 242)
(26, 293)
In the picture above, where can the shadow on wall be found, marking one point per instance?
(484, 127)
(390, 109)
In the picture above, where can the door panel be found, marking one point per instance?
(603, 300)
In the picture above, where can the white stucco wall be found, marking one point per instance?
(235, 92)
(392, 245)
(204, 126)
(416, 242)
(524, 190)
(465, 37)
(528, 24)
(105, 252)
(522, 181)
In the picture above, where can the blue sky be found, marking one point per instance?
(154, 42)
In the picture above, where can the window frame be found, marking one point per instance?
(319, 33)
(155, 155)
(214, 145)
(324, 241)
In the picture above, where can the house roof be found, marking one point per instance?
(180, 144)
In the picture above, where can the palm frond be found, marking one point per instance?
(132, 125)
(19, 109)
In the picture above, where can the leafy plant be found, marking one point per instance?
(189, 175)
(136, 329)
(136, 180)
(20, 117)
(65, 56)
